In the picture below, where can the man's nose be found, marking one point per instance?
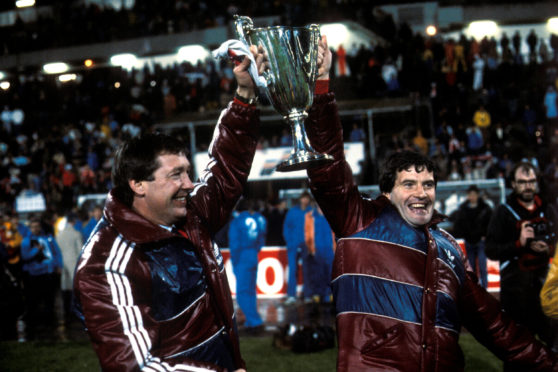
(420, 191)
(187, 182)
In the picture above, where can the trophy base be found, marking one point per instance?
(308, 160)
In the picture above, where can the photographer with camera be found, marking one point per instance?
(522, 236)
(42, 265)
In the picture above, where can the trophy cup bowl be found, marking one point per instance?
(292, 54)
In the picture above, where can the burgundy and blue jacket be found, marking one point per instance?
(156, 300)
(402, 293)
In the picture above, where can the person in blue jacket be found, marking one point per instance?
(320, 243)
(293, 233)
(21, 228)
(247, 232)
(42, 265)
(95, 215)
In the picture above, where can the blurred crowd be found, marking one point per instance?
(491, 105)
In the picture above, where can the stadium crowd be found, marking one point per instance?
(492, 105)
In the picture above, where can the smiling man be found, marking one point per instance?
(150, 284)
(402, 286)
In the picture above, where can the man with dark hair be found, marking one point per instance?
(471, 224)
(150, 284)
(402, 286)
(522, 236)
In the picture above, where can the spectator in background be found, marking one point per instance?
(70, 242)
(342, 65)
(389, 74)
(507, 54)
(532, 43)
(516, 41)
(357, 134)
(11, 239)
(275, 216)
(543, 51)
(94, 217)
(529, 119)
(553, 40)
(482, 120)
(320, 243)
(475, 141)
(550, 105)
(470, 224)
(286, 139)
(420, 142)
(293, 233)
(478, 67)
(42, 265)
(247, 232)
(522, 236)
(481, 117)
(21, 227)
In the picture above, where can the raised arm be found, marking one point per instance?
(231, 152)
(333, 185)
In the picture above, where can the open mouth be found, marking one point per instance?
(418, 208)
(183, 199)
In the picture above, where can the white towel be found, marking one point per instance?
(236, 48)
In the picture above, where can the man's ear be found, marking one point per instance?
(137, 187)
(387, 195)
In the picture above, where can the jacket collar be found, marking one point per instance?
(513, 201)
(132, 226)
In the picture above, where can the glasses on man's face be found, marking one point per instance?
(523, 183)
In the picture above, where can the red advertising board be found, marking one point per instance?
(272, 272)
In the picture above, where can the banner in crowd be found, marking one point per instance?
(273, 265)
(265, 161)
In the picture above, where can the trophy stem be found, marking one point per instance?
(303, 156)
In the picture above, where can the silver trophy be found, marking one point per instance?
(292, 54)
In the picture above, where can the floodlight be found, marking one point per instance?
(24, 3)
(336, 33)
(431, 30)
(56, 68)
(192, 53)
(64, 78)
(480, 29)
(125, 60)
(4, 85)
(552, 25)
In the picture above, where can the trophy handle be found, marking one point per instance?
(311, 57)
(243, 25)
